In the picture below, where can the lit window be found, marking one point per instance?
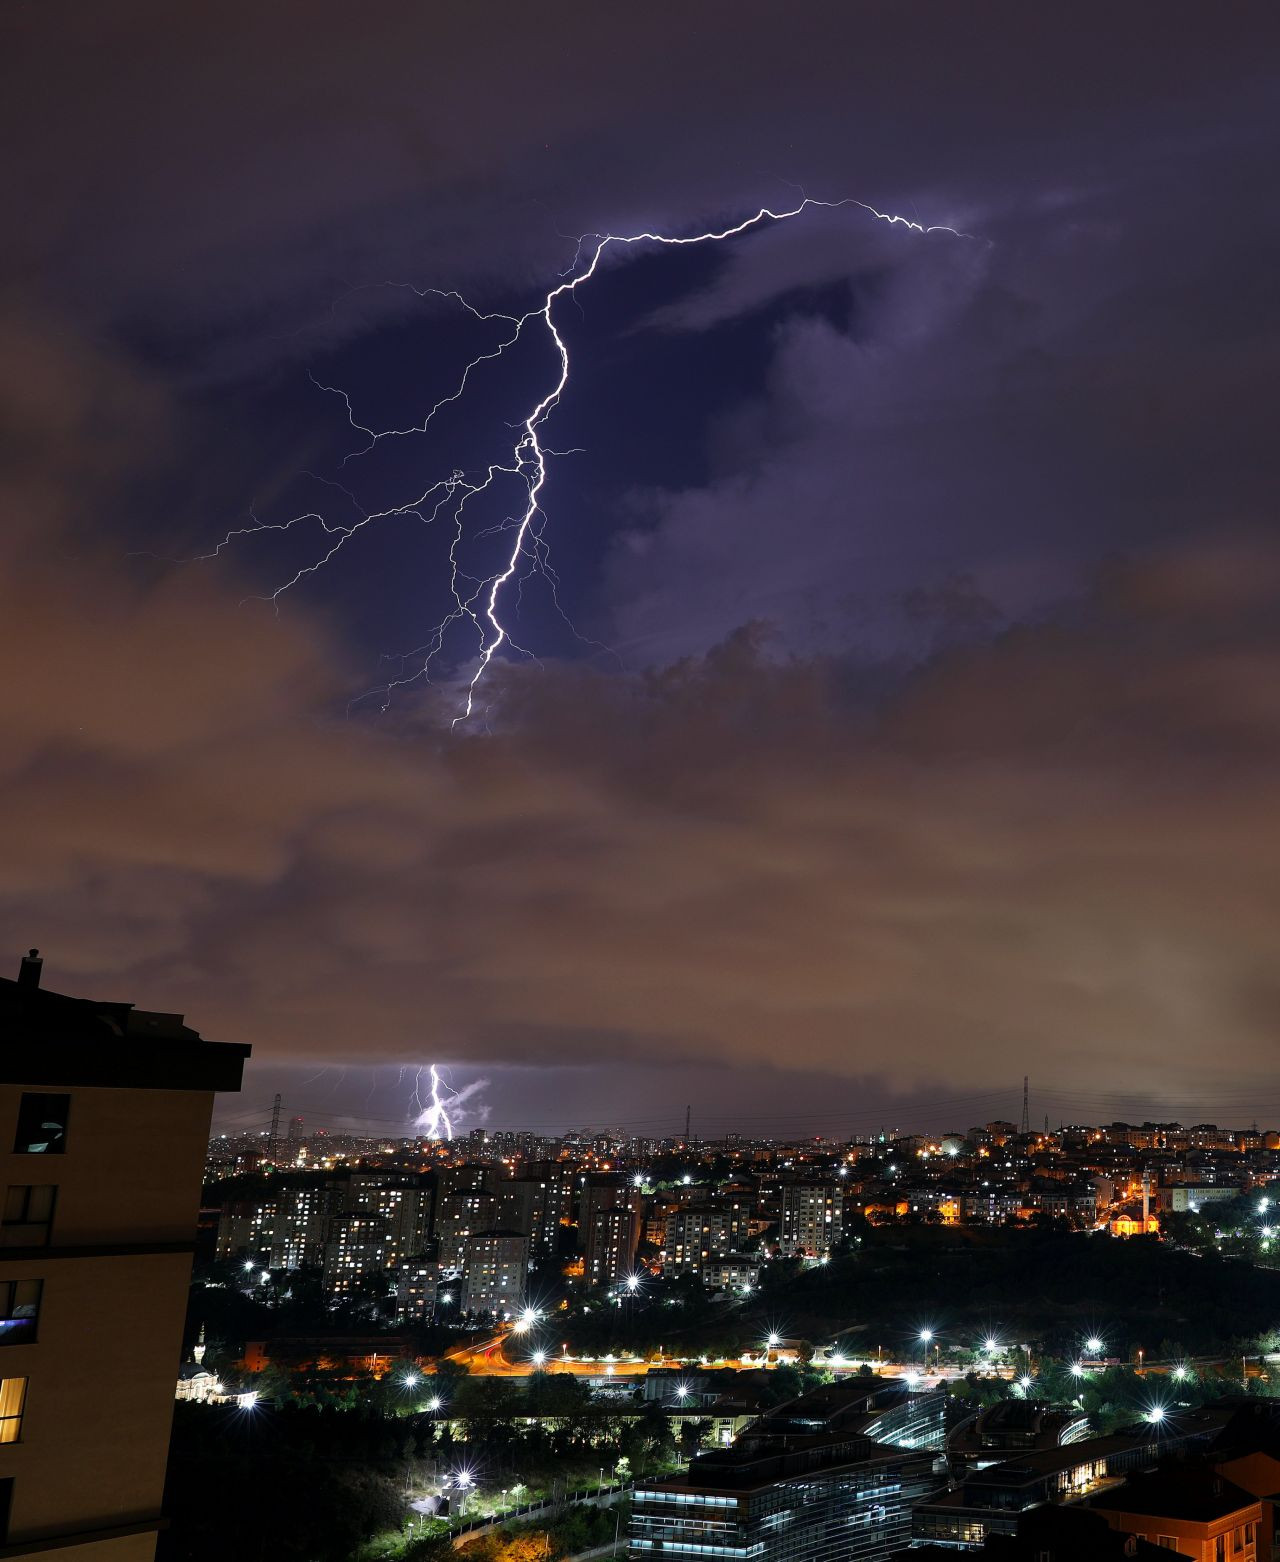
(42, 1124)
(19, 1310)
(13, 1393)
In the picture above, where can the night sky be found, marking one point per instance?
(913, 719)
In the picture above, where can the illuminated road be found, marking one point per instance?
(493, 1357)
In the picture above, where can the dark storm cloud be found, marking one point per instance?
(227, 170)
(1060, 841)
(1047, 827)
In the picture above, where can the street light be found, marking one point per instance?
(434, 1403)
(774, 1339)
(1094, 1345)
(539, 1356)
(410, 1379)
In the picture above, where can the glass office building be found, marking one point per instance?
(804, 1483)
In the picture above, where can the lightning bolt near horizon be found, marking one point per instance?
(478, 600)
(437, 1113)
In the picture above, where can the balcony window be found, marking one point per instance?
(19, 1311)
(42, 1124)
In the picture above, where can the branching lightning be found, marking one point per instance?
(478, 601)
(439, 1108)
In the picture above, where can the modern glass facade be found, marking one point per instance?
(823, 1498)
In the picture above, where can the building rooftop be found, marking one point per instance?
(1188, 1490)
(52, 1039)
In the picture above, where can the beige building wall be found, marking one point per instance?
(94, 1435)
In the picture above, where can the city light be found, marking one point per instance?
(1155, 1414)
(434, 1403)
(682, 1391)
(1024, 1383)
(539, 1356)
(774, 1339)
(925, 1336)
(1094, 1345)
(633, 1283)
(637, 1181)
(991, 1346)
(911, 1378)
(1077, 1369)
(411, 1379)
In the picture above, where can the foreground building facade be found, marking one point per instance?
(104, 1119)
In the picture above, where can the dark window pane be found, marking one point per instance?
(42, 1124)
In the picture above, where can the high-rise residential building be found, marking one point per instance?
(811, 1218)
(553, 1208)
(385, 1221)
(515, 1204)
(302, 1220)
(495, 1271)
(417, 1288)
(458, 1217)
(610, 1254)
(104, 1123)
(694, 1237)
(605, 1190)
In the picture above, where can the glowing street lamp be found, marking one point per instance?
(539, 1356)
(1077, 1369)
(1155, 1415)
(411, 1379)
(991, 1346)
(774, 1339)
(434, 1403)
(1094, 1345)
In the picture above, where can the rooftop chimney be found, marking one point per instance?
(29, 970)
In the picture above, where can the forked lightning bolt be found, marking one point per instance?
(437, 1113)
(479, 601)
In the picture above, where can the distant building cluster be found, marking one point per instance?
(461, 1225)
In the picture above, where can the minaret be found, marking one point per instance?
(197, 1350)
